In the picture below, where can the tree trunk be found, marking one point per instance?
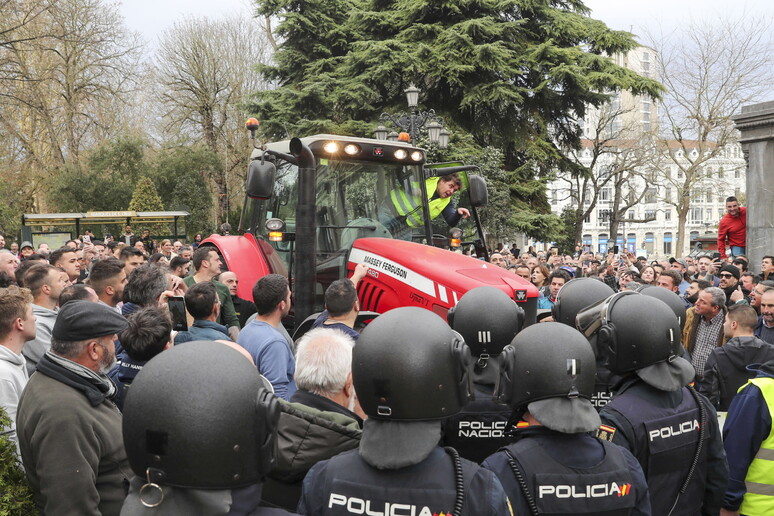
(682, 216)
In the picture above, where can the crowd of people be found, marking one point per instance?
(608, 405)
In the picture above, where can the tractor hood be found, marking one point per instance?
(439, 275)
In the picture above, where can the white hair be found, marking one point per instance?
(323, 361)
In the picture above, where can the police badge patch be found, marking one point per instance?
(606, 432)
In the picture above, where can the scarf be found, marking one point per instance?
(96, 387)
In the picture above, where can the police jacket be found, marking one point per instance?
(346, 484)
(726, 368)
(481, 428)
(305, 436)
(662, 431)
(570, 474)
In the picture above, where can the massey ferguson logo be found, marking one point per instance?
(521, 296)
(588, 491)
(674, 431)
(360, 506)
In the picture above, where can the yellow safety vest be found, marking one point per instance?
(409, 207)
(759, 481)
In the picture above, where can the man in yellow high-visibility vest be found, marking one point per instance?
(406, 209)
(749, 443)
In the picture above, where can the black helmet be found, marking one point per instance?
(487, 319)
(549, 368)
(670, 298)
(408, 365)
(577, 294)
(198, 416)
(638, 332)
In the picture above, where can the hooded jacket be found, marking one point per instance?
(13, 379)
(726, 368)
(305, 437)
(44, 324)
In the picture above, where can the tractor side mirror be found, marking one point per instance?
(260, 179)
(478, 192)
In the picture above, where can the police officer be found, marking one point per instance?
(573, 297)
(555, 466)
(200, 426)
(488, 320)
(410, 372)
(670, 428)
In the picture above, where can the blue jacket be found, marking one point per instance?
(747, 426)
(272, 355)
(203, 330)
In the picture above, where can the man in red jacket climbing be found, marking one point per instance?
(733, 228)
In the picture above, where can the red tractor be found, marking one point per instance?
(318, 206)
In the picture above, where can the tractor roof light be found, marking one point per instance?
(351, 149)
(401, 154)
(417, 156)
(331, 147)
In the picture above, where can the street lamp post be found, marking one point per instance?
(413, 122)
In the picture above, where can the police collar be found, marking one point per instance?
(398, 444)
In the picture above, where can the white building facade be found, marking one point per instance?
(721, 176)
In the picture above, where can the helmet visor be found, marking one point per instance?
(590, 319)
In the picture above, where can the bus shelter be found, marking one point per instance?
(59, 226)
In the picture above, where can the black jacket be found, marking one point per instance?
(662, 430)
(726, 368)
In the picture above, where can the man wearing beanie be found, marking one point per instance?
(69, 429)
(729, 282)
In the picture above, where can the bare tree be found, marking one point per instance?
(710, 72)
(613, 159)
(65, 66)
(206, 71)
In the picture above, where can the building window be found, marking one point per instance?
(554, 197)
(668, 193)
(603, 217)
(631, 215)
(680, 173)
(694, 216)
(650, 214)
(651, 194)
(738, 173)
(708, 211)
(604, 195)
(667, 243)
(587, 219)
(668, 214)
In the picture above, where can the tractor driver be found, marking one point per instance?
(403, 212)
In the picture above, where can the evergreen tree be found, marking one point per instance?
(146, 198)
(181, 179)
(106, 181)
(514, 74)
(15, 493)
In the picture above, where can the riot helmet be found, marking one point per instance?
(577, 294)
(639, 334)
(487, 319)
(198, 417)
(408, 365)
(670, 298)
(549, 369)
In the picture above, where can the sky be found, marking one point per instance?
(152, 17)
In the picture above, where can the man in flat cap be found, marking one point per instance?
(69, 429)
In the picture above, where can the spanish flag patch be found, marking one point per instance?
(606, 432)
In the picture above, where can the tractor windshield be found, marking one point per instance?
(354, 199)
